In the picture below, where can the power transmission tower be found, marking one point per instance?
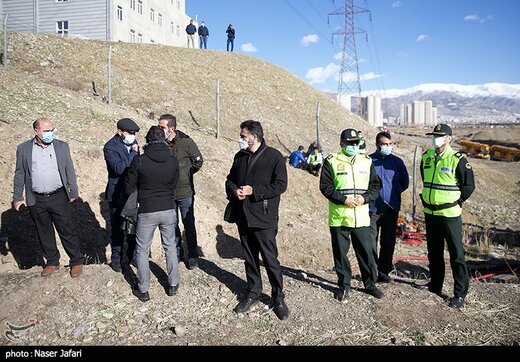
(349, 79)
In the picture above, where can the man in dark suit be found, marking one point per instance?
(119, 153)
(255, 182)
(44, 169)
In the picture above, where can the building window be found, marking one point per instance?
(178, 30)
(61, 1)
(62, 27)
(152, 15)
(132, 36)
(140, 7)
(172, 27)
(178, 4)
(159, 19)
(119, 13)
(132, 4)
(139, 38)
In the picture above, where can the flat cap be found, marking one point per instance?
(349, 134)
(441, 130)
(127, 124)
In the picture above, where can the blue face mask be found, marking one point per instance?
(48, 137)
(351, 150)
(386, 150)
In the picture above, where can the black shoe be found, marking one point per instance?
(342, 295)
(116, 267)
(172, 290)
(456, 302)
(193, 263)
(383, 278)
(281, 310)
(376, 293)
(143, 297)
(245, 305)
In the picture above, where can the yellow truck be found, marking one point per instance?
(475, 149)
(501, 153)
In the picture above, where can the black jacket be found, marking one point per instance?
(268, 177)
(155, 176)
(185, 150)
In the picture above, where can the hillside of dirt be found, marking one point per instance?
(52, 77)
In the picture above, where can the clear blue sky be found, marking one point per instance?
(410, 42)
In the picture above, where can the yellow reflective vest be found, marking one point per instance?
(441, 193)
(351, 178)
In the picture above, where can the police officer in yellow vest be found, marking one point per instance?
(349, 181)
(447, 182)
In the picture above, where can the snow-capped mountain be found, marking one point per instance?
(485, 103)
(504, 90)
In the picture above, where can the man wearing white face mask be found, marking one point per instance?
(255, 183)
(119, 153)
(349, 181)
(448, 182)
(384, 211)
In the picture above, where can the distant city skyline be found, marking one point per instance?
(467, 42)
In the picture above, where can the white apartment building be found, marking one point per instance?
(421, 113)
(133, 21)
(371, 110)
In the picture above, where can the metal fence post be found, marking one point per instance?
(110, 73)
(318, 109)
(4, 58)
(414, 193)
(218, 108)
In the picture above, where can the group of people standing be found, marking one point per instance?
(364, 193)
(203, 31)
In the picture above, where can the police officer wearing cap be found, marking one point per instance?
(119, 152)
(448, 182)
(349, 181)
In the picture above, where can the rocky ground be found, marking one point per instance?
(51, 76)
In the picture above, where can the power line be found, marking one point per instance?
(309, 22)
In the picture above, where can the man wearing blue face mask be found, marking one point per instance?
(349, 181)
(119, 153)
(384, 211)
(45, 170)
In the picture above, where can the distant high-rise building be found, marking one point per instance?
(131, 21)
(371, 110)
(419, 113)
(428, 105)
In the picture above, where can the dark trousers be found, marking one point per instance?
(258, 242)
(362, 243)
(438, 229)
(55, 209)
(186, 206)
(118, 237)
(384, 226)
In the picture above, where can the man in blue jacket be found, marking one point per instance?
(297, 159)
(384, 212)
(119, 153)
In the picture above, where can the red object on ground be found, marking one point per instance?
(414, 242)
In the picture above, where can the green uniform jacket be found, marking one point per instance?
(448, 181)
(342, 177)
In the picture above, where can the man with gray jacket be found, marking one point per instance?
(44, 169)
(190, 161)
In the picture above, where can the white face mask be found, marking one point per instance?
(438, 142)
(243, 144)
(129, 140)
